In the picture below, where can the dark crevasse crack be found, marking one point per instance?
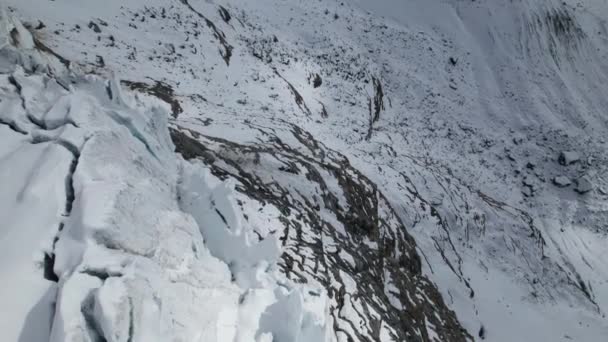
(225, 14)
(587, 290)
(69, 186)
(13, 81)
(109, 90)
(456, 271)
(13, 126)
(297, 96)
(482, 332)
(375, 106)
(444, 226)
(49, 264)
(87, 309)
(69, 182)
(131, 321)
(101, 273)
(324, 113)
(378, 98)
(226, 51)
(222, 217)
(370, 126)
(40, 124)
(49, 257)
(576, 280)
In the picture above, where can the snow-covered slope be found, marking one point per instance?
(97, 242)
(353, 171)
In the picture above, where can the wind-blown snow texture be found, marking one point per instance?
(273, 170)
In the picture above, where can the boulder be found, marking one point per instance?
(583, 185)
(568, 157)
(562, 181)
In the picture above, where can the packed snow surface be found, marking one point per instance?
(276, 170)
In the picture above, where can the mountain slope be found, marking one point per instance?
(145, 246)
(385, 149)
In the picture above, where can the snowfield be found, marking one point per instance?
(111, 252)
(294, 171)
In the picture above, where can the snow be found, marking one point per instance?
(480, 98)
(32, 208)
(129, 264)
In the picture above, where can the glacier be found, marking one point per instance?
(277, 170)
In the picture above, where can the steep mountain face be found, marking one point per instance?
(304, 171)
(338, 233)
